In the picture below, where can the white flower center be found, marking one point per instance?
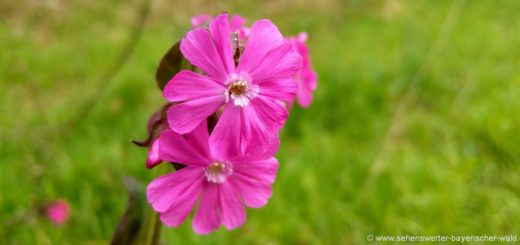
(241, 92)
(217, 172)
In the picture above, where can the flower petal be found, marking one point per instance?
(208, 215)
(306, 87)
(263, 119)
(281, 63)
(199, 138)
(302, 37)
(270, 113)
(175, 148)
(233, 211)
(233, 135)
(188, 85)
(282, 89)
(312, 79)
(307, 78)
(237, 22)
(247, 129)
(207, 49)
(153, 155)
(184, 117)
(254, 155)
(304, 97)
(182, 205)
(263, 38)
(165, 190)
(253, 180)
(221, 33)
(226, 138)
(199, 20)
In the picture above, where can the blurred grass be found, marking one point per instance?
(446, 145)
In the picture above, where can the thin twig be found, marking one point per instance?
(110, 73)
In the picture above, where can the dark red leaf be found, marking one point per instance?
(171, 63)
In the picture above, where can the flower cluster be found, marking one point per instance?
(221, 126)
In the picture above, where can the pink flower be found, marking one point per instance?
(58, 212)
(237, 24)
(200, 20)
(306, 77)
(248, 94)
(224, 185)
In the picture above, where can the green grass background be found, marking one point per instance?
(414, 128)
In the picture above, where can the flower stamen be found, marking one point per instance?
(238, 88)
(217, 172)
(241, 92)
